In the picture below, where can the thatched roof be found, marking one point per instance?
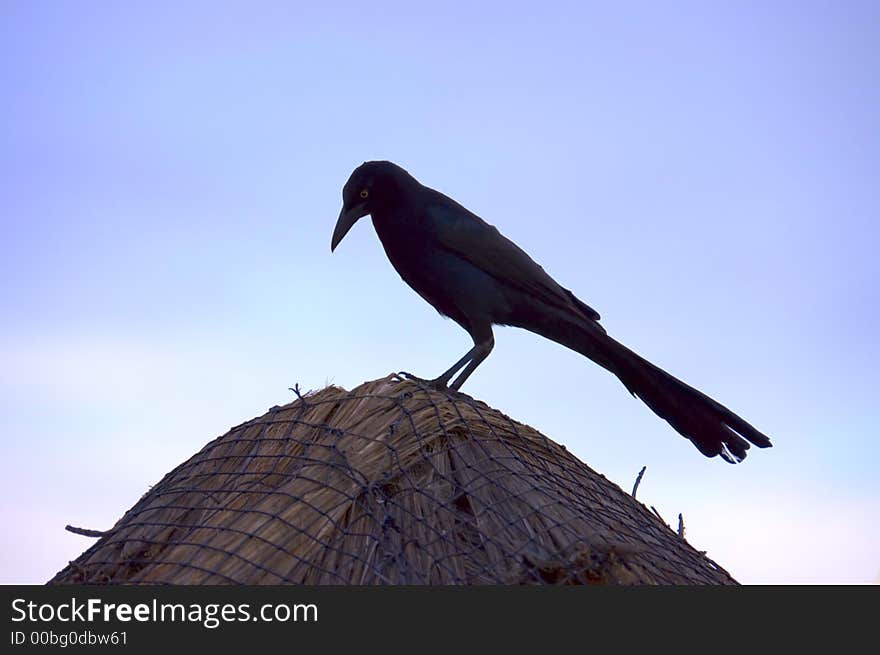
(389, 483)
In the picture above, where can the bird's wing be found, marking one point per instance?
(468, 236)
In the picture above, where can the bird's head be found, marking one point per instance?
(373, 184)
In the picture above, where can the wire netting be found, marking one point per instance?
(391, 483)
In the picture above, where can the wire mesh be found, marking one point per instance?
(391, 483)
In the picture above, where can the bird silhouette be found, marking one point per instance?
(473, 274)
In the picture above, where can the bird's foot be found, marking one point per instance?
(437, 384)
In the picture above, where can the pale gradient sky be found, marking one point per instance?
(704, 174)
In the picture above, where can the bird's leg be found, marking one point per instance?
(443, 380)
(484, 341)
(477, 354)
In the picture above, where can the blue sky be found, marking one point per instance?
(703, 174)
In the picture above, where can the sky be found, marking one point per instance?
(704, 174)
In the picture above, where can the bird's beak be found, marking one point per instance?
(347, 217)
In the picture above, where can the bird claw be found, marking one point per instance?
(437, 384)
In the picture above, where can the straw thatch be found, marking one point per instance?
(389, 483)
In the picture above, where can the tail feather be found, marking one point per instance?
(713, 429)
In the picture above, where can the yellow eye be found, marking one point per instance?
(364, 193)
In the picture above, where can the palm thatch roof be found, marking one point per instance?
(391, 483)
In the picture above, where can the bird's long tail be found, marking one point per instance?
(714, 429)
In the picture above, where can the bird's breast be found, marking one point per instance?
(453, 285)
(410, 251)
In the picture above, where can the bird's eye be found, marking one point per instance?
(364, 193)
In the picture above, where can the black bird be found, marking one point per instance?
(471, 273)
